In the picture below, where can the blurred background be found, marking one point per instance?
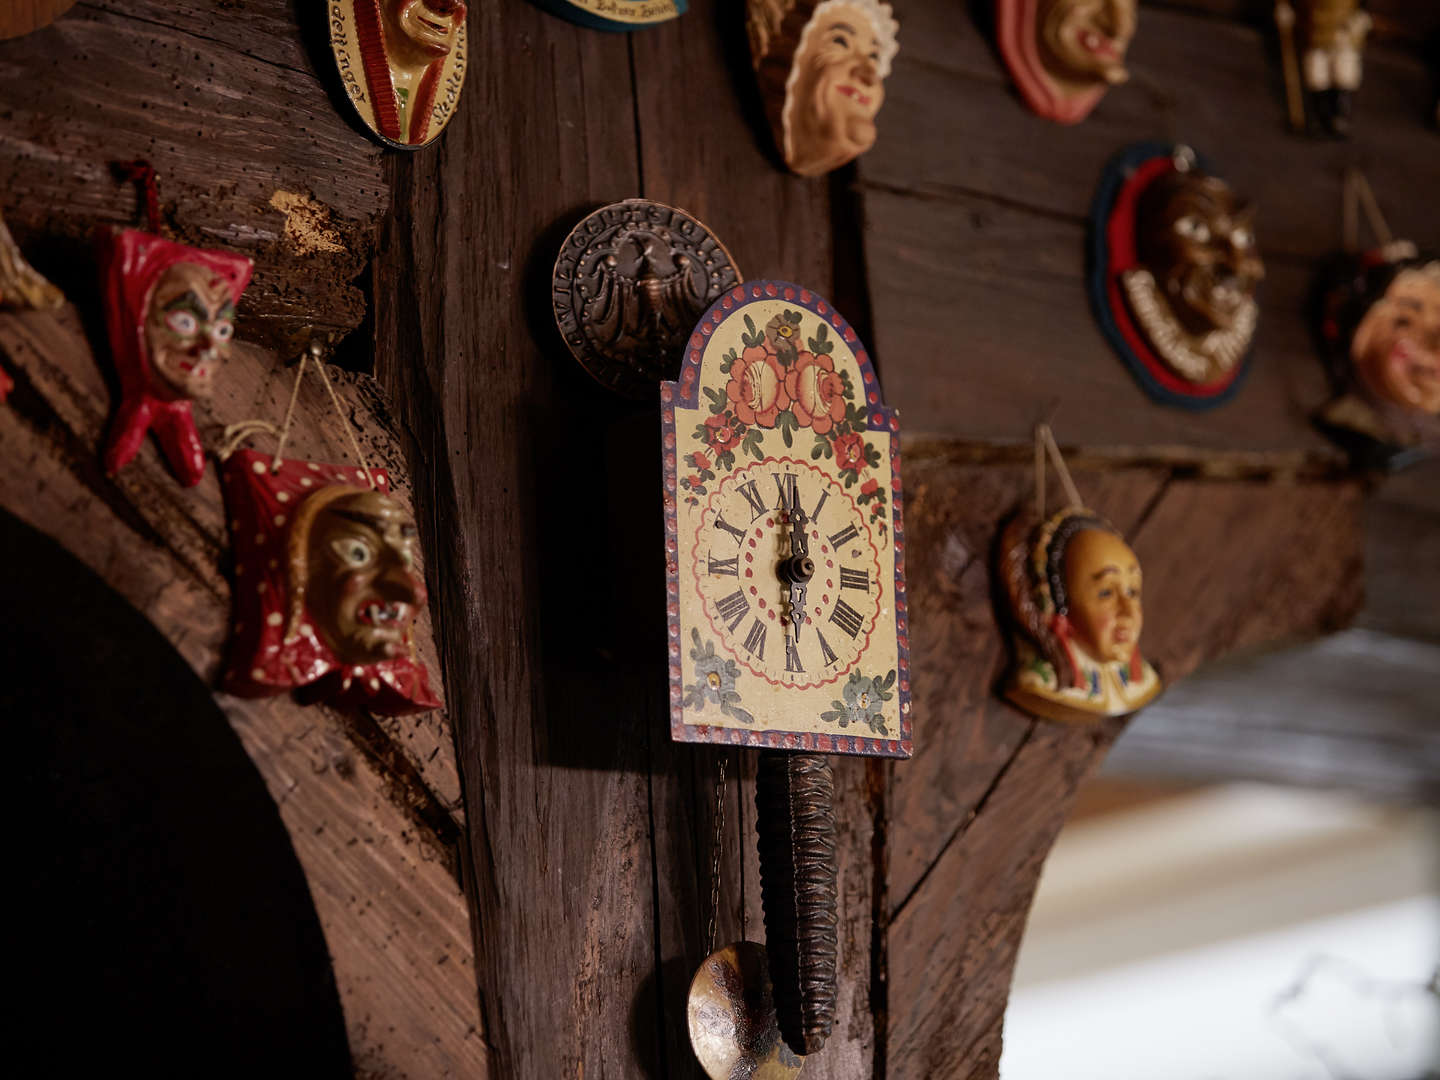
(1250, 888)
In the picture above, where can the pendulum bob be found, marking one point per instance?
(1072, 588)
(327, 586)
(616, 15)
(1064, 54)
(1174, 271)
(822, 66)
(402, 64)
(170, 312)
(1378, 325)
(731, 1014)
(628, 285)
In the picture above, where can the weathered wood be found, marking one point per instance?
(952, 515)
(1023, 339)
(778, 226)
(26, 16)
(1207, 81)
(1352, 712)
(250, 151)
(529, 505)
(376, 839)
(1227, 566)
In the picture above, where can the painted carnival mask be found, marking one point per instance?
(822, 68)
(1396, 348)
(359, 573)
(170, 310)
(1075, 592)
(1197, 239)
(327, 587)
(188, 327)
(1064, 54)
(1380, 330)
(1175, 273)
(402, 63)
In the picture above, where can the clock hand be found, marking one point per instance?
(797, 569)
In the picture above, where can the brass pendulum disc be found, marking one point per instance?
(629, 284)
(732, 1018)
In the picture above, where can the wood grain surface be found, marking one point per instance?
(373, 807)
(585, 839)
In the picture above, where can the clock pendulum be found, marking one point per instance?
(788, 629)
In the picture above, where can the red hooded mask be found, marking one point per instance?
(131, 265)
(277, 645)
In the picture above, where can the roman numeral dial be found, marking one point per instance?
(743, 597)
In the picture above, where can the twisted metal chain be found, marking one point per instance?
(716, 848)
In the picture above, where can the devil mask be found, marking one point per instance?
(1075, 593)
(1174, 273)
(327, 586)
(170, 310)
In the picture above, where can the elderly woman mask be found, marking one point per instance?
(1380, 329)
(822, 68)
(1075, 595)
(327, 586)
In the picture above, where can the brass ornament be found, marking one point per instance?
(732, 1019)
(629, 284)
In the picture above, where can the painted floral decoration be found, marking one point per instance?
(715, 678)
(782, 380)
(864, 702)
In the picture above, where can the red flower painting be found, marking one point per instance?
(757, 387)
(816, 392)
(720, 433)
(849, 451)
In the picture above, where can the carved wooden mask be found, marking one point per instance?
(327, 586)
(1379, 326)
(822, 66)
(1064, 54)
(402, 63)
(1074, 592)
(1174, 272)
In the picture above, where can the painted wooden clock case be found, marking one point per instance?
(777, 407)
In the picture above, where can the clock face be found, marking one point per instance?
(787, 611)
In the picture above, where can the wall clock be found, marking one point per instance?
(786, 592)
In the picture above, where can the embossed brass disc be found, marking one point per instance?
(732, 1018)
(629, 285)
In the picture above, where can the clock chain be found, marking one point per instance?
(716, 848)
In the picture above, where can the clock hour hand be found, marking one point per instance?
(797, 569)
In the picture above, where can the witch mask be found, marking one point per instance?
(170, 310)
(822, 68)
(327, 586)
(1074, 591)
(402, 63)
(1380, 330)
(1174, 274)
(1064, 54)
